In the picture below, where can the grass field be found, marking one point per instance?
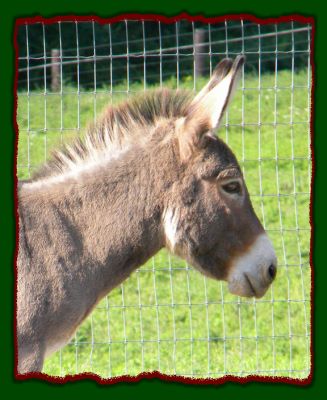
(167, 316)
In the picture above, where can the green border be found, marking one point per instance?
(146, 388)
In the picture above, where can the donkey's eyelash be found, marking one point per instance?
(228, 174)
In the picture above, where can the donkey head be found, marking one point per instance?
(209, 219)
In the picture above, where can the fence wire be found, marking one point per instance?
(166, 316)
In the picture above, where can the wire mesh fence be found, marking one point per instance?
(166, 316)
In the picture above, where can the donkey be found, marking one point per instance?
(149, 174)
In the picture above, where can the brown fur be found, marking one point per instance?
(83, 235)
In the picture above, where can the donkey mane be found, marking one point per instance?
(117, 129)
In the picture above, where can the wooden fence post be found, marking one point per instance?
(199, 40)
(55, 70)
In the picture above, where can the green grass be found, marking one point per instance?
(167, 316)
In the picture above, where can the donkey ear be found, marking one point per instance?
(213, 99)
(208, 107)
(218, 74)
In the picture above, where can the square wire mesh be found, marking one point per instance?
(166, 316)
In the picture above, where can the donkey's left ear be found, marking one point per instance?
(208, 107)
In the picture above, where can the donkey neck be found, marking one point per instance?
(113, 213)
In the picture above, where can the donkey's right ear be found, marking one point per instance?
(208, 107)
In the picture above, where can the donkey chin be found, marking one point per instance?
(251, 273)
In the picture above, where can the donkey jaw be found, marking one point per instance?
(252, 273)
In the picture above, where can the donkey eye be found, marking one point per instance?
(232, 187)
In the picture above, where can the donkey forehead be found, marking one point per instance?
(218, 159)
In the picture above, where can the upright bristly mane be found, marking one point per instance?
(118, 128)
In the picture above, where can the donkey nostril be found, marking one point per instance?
(272, 271)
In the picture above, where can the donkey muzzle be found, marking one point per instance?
(252, 273)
